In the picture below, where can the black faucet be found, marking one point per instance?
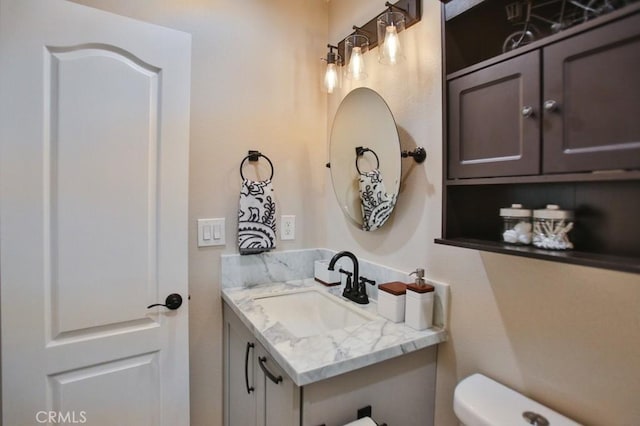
(356, 293)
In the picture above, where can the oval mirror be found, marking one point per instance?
(365, 161)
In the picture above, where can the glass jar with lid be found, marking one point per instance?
(516, 227)
(551, 227)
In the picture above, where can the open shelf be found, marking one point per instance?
(606, 232)
(596, 260)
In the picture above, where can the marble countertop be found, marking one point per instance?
(310, 359)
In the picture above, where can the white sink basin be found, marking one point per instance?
(311, 312)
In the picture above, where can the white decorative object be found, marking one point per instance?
(517, 225)
(551, 227)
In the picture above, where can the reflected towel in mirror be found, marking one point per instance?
(376, 204)
(256, 217)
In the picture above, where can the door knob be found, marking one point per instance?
(173, 302)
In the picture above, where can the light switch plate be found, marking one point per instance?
(211, 232)
(288, 227)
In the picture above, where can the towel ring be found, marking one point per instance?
(360, 152)
(253, 156)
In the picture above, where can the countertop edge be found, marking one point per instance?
(331, 370)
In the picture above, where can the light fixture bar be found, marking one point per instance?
(412, 10)
(393, 6)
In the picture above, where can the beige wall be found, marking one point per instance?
(255, 85)
(568, 336)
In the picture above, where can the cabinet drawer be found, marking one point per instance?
(489, 133)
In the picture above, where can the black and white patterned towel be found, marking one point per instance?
(376, 204)
(256, 217)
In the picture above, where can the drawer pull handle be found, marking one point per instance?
(262, 360)
(246, 368)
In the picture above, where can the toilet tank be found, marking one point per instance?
(481, 401)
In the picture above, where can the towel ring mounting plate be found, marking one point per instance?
(254, 156)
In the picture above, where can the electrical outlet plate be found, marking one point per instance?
(288, 227)
(211, 232)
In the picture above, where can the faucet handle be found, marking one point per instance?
(364, 280)
(347, 273)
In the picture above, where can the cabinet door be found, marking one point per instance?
(591, 98)
(281, 403)
(241, 386)
(494, 126)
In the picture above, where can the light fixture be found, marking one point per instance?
(332, 78)
(389, 25)
(355, 46)
(382, 30)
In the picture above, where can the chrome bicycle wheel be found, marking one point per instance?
(595, 8)
(518, 39)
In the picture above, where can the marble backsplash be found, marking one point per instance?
(281, 266)
(269, 267)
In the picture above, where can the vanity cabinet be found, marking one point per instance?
(257, 391)
(585, 120)
(552, 122)
(401, 390)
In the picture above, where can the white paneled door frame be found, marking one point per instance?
(94, 121)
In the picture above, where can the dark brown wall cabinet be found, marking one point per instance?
(591, 98)
(493, 130)
(581, 116)
(556, 121)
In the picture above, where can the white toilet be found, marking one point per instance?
(480, 401)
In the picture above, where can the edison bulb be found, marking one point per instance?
(331, 78)
(356, 65)
(392, 45)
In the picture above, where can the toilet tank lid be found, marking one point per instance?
(481, 401)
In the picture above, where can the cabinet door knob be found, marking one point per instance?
(527, 111)
(550, 105)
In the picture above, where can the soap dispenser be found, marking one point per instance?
(419, 302)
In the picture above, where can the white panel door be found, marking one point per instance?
(94, 118)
